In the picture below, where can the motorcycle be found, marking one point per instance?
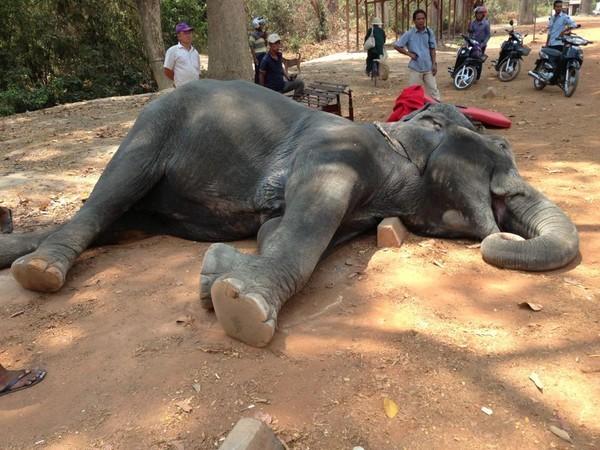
(508, 64)
(468, 65)
(554, 67)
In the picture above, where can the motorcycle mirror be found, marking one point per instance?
(578, 25)
(511, 22)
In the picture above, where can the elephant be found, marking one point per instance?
(227, 160)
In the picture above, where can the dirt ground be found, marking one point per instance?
(135, 363)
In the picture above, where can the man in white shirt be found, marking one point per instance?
(182, 61)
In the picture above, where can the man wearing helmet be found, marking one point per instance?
(479, 29)
(258, 43)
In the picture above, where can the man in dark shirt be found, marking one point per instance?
(273, 74)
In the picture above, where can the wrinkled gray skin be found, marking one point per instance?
(219, 161)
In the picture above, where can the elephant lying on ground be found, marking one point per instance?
(218, 161)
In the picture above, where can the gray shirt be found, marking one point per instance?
(418, 42)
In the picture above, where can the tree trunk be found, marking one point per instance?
(434, 16)
(585, 7)
(228, 52)
(333, 6)
(459, 16)
(525, 12)
(322, 32)
(149, 11)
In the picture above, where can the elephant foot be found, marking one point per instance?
(36, 273)
(246, 316)
(219, 259)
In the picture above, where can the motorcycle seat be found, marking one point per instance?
(551, 52)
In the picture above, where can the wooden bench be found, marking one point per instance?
(327, 97)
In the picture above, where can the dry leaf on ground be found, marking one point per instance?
(185, 405)
(390, 407)
(533, 306)
(561, 433)
(537, 381)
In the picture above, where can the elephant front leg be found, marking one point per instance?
(248, 298)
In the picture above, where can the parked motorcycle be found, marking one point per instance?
(468, 65)
(508, 64)
(554, 67)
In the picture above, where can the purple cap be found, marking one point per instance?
(182, 26)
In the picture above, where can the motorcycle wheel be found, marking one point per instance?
(464, 77)
(571, 80)
(506, 73)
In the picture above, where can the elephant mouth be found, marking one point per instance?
(499, 209)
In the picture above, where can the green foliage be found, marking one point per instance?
(295, 20)
(57, 51)
(192, 12)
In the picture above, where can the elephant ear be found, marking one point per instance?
(424, 130)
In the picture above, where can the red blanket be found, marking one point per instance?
(413, 98)
(409, 100)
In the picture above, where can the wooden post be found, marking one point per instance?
(366, 17)
(348, 26)
(396, 30)
(534, 19)
(357, 12)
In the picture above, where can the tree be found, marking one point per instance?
(228, 52)
(149, 11)
(319, 8)
(526, 12)
(585, 7)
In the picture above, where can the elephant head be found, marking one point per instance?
(470, 187)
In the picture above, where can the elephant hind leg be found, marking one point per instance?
(221, 258)
(40, 274)
(246, 316)
(218, 260)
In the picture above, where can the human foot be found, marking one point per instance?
(15, 380)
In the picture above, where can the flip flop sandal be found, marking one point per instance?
(39, 376)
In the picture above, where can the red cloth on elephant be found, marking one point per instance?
(409, 100)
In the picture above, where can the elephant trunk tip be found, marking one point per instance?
(541, 253)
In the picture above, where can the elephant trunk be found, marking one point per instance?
(551, 239)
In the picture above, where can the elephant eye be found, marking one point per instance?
(436, 123)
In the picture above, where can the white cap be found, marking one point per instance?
(376, 21)
(273, 37)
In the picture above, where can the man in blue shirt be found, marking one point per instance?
(418, 44)
(557, 24)
(273, 74)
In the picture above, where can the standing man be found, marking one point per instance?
(479, 29)
(418, 44)
(182, 61)
(273, 74)
(258, 43)
(558, 23)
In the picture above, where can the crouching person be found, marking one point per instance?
(273, 73)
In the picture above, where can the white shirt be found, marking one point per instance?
(184, 63)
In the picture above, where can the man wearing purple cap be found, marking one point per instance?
(182, 61)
